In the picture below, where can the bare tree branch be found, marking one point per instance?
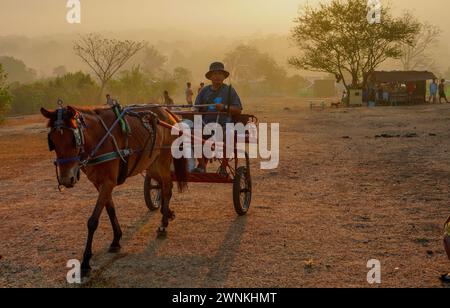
(105, 57)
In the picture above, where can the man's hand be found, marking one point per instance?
(220, 107)
(234, 110)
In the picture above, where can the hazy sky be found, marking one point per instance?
(225, 17)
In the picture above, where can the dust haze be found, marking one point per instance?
(190, 33)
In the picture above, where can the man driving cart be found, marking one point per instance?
(219, 102)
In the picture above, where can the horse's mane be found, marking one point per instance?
(92, 110)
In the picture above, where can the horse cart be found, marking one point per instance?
(233, 171)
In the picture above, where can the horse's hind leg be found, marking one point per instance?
(115, 246)
(167, 214)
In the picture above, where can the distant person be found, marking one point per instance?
(189, 94)
(442, 94)
(411, 89)
(371, 96)
(379, 93)
(385, 94)
(202, 85)
(167, 99)
(433, 92)
(109, 100)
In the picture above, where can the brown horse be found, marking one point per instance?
(74, 133)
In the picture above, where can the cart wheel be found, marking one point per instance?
(242, 191)
(152, 193)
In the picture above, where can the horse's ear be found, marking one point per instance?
(46, 113)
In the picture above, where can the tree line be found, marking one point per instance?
(333, 38)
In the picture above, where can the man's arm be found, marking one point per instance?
(234, 110)
(235, 106)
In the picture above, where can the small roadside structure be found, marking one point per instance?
(400, 87)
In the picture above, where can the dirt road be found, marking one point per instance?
(352, 185)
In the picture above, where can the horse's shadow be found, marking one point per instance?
(149, 269)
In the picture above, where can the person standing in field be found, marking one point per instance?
(442, 94)
(433, 92)
(167, 99)
(202, 85)
(189, 94)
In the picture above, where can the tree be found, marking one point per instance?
(153, 61)
(447, 73)
(182, 75)
(132, 87)
(336, 38)
(17, 70)
(59, 71)
(257, 73)
(247, 63)
(105, 56)
(417, 55)
(240, 62)
(5, 97)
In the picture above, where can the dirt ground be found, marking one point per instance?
(340, 197)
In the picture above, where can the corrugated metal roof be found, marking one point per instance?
(402, 76)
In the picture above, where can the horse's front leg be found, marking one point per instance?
(105, 192)
(167, 214)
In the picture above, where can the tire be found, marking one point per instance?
(152, 193)
(242, 191)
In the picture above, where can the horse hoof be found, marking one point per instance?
(114, 249)
(161, 232)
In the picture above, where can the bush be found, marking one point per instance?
(5, 96)
(138, 87)
(73, 88)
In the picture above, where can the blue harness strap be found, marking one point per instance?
(65, 161)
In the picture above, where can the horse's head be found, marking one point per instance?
(66, 138)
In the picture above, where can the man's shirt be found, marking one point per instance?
(208, 96)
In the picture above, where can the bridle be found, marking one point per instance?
(85, 159)
(78, 139)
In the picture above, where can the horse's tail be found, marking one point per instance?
(181, 164)
(182, 173)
